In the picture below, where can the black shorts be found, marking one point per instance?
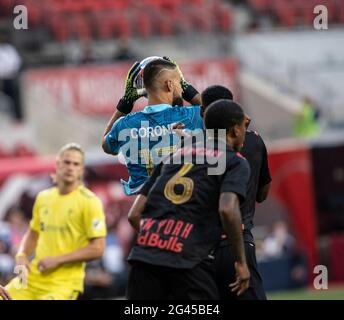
(151, 282)
(225, 273)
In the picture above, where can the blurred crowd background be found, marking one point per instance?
(61, 78)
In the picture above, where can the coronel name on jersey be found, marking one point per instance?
(157, 131)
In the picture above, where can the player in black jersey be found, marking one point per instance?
(254, 151)
(182, 211)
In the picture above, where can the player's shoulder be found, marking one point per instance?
(86, 193)
(252, 134)
(236, 158)
(190, 109)
(242, 163)
(184, 110)
(190, 113)
(253, 137)
(46, 193)
(126, 120)
(239, 157)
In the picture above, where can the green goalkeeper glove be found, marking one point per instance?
(126, 103)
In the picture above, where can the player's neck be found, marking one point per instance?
(67, 188)
(230, 142)
(157, 99)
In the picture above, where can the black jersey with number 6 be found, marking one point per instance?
(180, 225)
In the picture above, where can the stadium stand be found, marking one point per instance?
(294, 13)
(105, 19)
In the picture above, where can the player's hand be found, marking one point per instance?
(242, 280)
(22, 267)
(188, 90)
(23, 261)
(4, 294)
(131, 94)
(48, 263)
(178, 126)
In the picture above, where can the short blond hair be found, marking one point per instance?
(71, 146)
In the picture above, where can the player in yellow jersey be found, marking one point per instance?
(67, 229)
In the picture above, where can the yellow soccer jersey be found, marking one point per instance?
(65, 223)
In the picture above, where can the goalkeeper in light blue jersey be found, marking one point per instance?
(145, 138)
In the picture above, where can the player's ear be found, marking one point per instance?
(236, 131)
(247, 121)
(169, 85)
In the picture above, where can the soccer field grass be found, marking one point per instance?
(336, 293)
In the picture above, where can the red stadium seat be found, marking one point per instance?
(260, 5)
(143, 24)
(171, 7)
(6, 7)
(122, 27)
(285, 13)
(336, 257)
(225, 20)
(202, 19)
(59, 27)
(182, 23)
(34, 13)
(341, 14)
(81, 27)
(164, 25)
(105, 25)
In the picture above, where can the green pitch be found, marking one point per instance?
(336, 293)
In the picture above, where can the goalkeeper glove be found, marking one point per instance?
(126, 103)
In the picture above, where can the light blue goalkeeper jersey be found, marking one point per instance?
(145, 138)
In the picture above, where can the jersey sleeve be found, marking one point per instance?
(111, 138)
(150, 182)
(264, 177)
(95, 225)
(236, 178)
(35, 221)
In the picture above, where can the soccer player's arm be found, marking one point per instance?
(110, 143)
(233, 192)
(29, 241)
(264, 182)
(138, 206)
(196, 100)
